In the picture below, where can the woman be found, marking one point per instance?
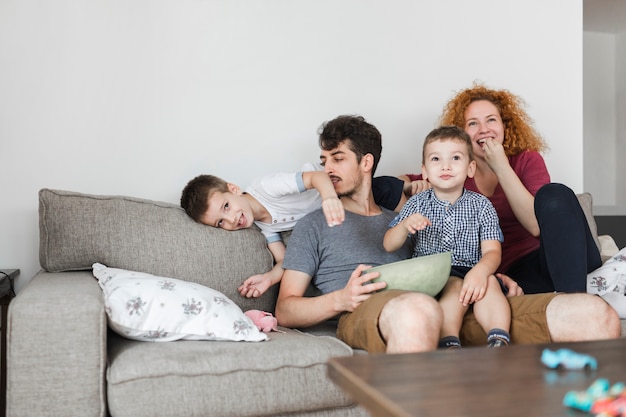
(547, 242)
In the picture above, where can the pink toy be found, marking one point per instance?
(265, 322)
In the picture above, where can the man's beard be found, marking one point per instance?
(353, 190)
(347, 193)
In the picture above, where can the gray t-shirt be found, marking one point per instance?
(331, 254)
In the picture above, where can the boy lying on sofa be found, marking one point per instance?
(274, 203)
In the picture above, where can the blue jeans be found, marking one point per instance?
(567, 251)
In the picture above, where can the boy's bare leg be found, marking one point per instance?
(580, 317)
(493, 311)
(453, 310)
(411, 323)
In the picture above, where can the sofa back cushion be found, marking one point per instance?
(586, 202)
(78, 230)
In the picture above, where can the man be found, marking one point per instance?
(334, 259)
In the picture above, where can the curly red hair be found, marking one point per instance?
(519, 133)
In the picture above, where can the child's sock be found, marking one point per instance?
(498, 338)
(449, 342)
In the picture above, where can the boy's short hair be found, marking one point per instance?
(448, 132)
(195, 196)
(362, 137)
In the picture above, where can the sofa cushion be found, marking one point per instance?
(586, 202)
(284, 375)
(609, 282)
(150, 308)
(78, 230)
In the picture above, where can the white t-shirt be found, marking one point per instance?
(287, 200)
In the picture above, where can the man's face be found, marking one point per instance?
(343, 169)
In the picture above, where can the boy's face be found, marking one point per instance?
(447, 164)
(228, 210)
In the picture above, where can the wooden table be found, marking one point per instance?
(481, 382)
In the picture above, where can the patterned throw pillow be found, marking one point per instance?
(146, 307)
(609, 282)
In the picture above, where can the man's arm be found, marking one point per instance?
(412, 187)
(295, 310)
(513, 288)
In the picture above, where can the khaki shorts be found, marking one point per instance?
(359, 329)
(528, 322)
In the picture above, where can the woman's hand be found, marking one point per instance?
(495, 156)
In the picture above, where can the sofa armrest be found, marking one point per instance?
(56, 355)
(608, 247)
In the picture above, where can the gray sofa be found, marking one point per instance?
(64, 361)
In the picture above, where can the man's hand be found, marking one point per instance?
(513, 287)
(416, 186)
(357, 290)
(333, 211)
(255, 286)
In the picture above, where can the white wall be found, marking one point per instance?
(604, 113)
(599, 116)
(136, 97)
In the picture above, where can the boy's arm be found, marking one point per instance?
(397, 235)
(331, 204)
(278, 252)
(257, 285)
(475, 281)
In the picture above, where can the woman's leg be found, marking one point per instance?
(529, 275)
(568, 251)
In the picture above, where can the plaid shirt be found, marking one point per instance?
(458, 228)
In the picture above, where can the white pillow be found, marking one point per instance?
(146, 307)
(609, 282)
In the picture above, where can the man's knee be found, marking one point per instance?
(411, 309)
(578, 317)
(411, 323)
(610, 321)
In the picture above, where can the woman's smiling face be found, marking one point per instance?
(483, 122)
